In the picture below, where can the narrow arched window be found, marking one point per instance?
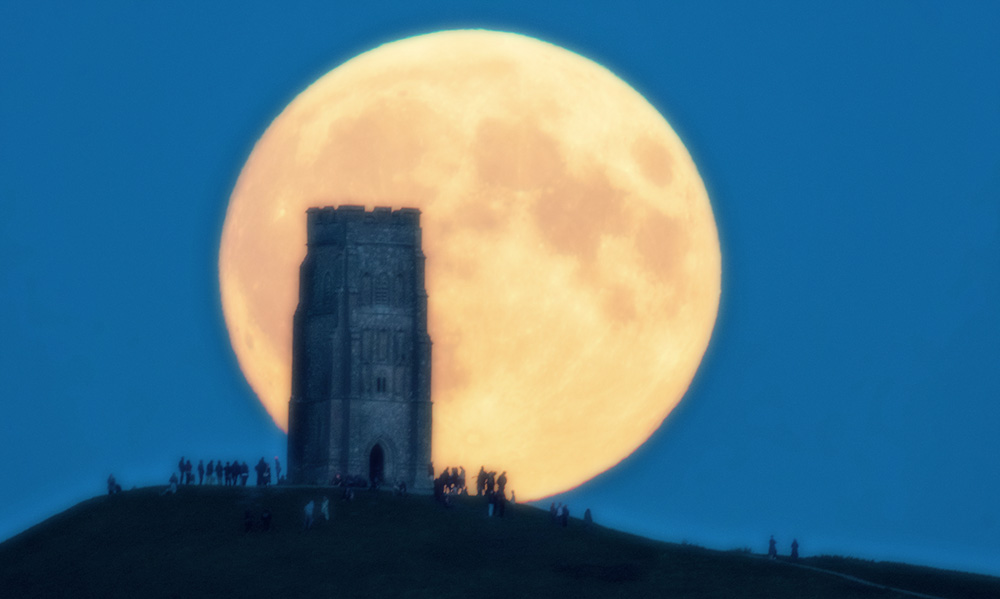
(382, 290)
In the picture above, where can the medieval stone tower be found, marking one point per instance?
(361, 355)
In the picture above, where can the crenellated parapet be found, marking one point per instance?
(353, 224)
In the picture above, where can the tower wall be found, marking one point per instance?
(360, 350)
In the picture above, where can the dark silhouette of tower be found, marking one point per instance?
(361, 355)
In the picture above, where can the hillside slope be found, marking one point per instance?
(193, 544)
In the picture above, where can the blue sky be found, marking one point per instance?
(849, 397)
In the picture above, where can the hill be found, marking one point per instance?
(193, 544)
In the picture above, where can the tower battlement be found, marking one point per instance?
(341, 224)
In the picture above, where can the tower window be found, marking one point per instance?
(380, 384)
(382, 290)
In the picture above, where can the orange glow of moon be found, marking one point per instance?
(573, 263)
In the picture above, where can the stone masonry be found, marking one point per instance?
(361, 355)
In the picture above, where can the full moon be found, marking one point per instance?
(573, 265)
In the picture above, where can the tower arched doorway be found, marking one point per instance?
(376, 464)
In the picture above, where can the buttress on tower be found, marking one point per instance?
(361, 355)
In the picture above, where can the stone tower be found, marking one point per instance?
(361, 355)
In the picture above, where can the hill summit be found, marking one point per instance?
(195, 544)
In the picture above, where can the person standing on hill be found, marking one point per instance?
(180, 468)
(795, 550)
(260, 468)
(310, 510)
(502, 483)
(201, 471)
(772, 548)
(481, 481)
(210, 472)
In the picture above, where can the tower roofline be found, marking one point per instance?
(329, 223)
(353, 213)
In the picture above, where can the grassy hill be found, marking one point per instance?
(193, 544)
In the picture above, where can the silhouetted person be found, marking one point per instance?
(265, 520)
(259, 469)
(564, 516)
(210, 472)
(201, 471)
(490, 481)
(189, 469)
(113, 486)
(481, 481)
(588, 519)
(461, 480)
(247, 521)
(502, 482)
(772, 548)
(439, 488)
(244, 474)
(795, 550)
(172, 487)
(181, 468)
(309, 510)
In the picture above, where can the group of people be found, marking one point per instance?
(488, 483)
(310, 512)
(772, 549)
(560, 514)
(231, 474)
(451, 482)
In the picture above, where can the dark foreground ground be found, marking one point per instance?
(139, 544)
